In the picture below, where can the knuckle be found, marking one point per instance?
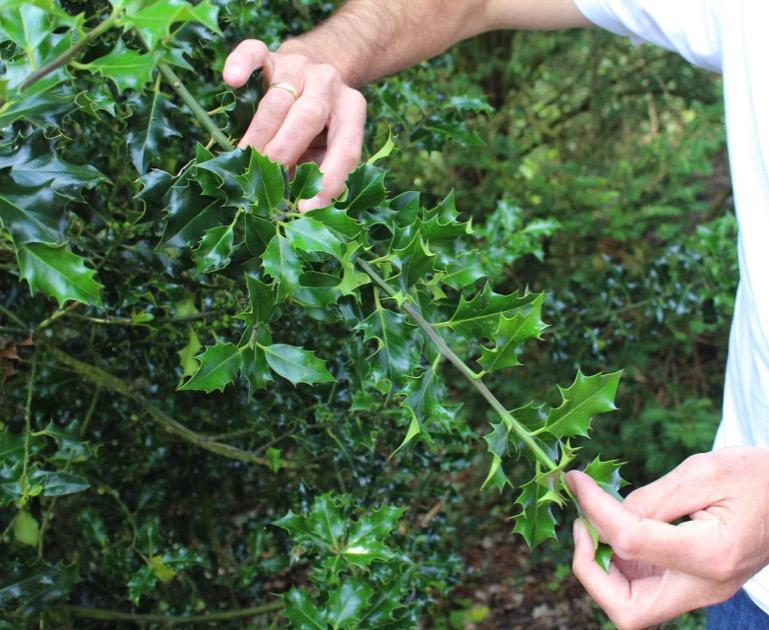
(327, 72)
(627, 543)
(357, 99)
(309, 115)
(703, 465)
(725, 568)
(271, 107)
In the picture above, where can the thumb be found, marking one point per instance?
(686, 489)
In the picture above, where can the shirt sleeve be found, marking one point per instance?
(692, 28)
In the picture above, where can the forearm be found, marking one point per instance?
(367, 39)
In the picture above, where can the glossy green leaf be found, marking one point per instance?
(58, 273)
(31, 214)
(150, 128)
(187, 354)
(153, 20)
(365, 541)
(347, 603)
(307, 181)
(479, 316)
(189, 215)
(297, 364)
(261, 301)
(301, 612)
(219, 365)
(510, 335)
(396, 351)
(588, 396)
(365, 189)
(535, 522)
(606, 475)
(263, 182)
(215, 249)
(310, 235)
(126, 68)
(282, 264)
(36, 587)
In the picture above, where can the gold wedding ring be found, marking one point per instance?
(285, 85)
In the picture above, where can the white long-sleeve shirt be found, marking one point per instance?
(729, 37)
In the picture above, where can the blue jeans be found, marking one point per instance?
(737, 613)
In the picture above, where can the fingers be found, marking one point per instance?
(650, 598)
(687, 489)
(344, 147)
(248, 56)
(695, 547)
(305, 120)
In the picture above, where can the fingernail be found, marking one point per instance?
(570, 482)
(577, 531)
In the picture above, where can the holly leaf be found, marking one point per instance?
(217, 174)
(153, 20)
(36, 162)
(415, 261)
(189, 215)
(323, 526)
(307, 181)
(347, 602)
(31, 213)
(187, 354)
(297, 364)
(261, 301)
(219, 365)
(395, 351)
(606, 475)
(535, 522)
(310, 235)
(498, 441)
(150, 128)
(365, 542)
(365, 189)
(281, 263)
(301, 612)
(259, 233)
(263, 182)
(480, 315)
(58, 273)
(215, 249)
(587, 397)
(510, 335)
(126, 68)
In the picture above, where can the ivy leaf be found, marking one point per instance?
(365, 189)
(301, 612)
(510, 334)
(535, 522)
(281, 263)
(263, 182)
(126, 68)
(297, 364)
(477, 316)
(219, 365)
(310, 235)
(36, 162)
(307, 181)
(215, 249)
(153, 20)
(587, 397)
(261, 301)
(55, 271)
(347, 602)
(150, 127)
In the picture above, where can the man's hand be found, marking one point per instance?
(311, 116)
(659, 570)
